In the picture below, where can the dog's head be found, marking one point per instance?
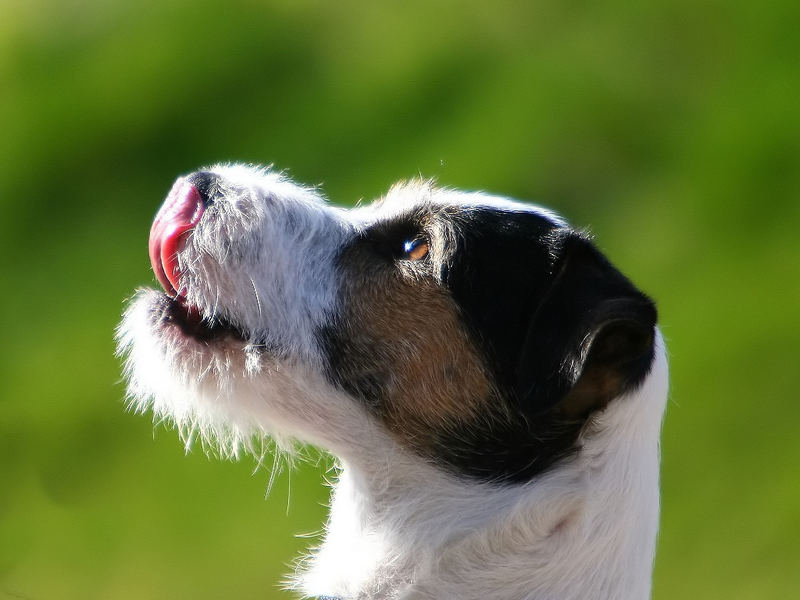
(476, 333)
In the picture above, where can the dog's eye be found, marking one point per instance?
(415, 249)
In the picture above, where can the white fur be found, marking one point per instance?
(398, 528)
(403, 196)
(264, 257)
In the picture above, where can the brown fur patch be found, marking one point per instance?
(404, 348)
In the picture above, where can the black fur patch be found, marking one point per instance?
(539, 297)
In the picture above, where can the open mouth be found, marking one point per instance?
(174, 223)
(176, 312)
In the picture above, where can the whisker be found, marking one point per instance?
(258, 299)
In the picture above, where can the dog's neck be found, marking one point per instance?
(399, 529)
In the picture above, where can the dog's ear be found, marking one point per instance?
(619, 355)
(588, 340)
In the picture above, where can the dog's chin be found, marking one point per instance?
(209, 379)
(195, 344)
(190, 370)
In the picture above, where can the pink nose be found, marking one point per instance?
(176, 218)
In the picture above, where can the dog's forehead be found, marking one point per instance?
(415, 196)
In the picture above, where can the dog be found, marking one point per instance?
(491, 385)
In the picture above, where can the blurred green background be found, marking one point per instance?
(670, 127)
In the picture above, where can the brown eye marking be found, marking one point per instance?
(415, 249)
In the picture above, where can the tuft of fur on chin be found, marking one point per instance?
(231, 394)
(192, 385)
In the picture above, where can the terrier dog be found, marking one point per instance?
(492, 387)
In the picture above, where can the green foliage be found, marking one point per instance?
(670, 127)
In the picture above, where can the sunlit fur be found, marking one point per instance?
(399, 527)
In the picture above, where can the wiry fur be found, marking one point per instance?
(400, 527)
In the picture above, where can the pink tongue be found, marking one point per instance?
(179, 214)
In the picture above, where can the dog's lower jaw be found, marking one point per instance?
(399, 529)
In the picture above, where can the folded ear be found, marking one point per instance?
(618, 356)
(589, 340)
